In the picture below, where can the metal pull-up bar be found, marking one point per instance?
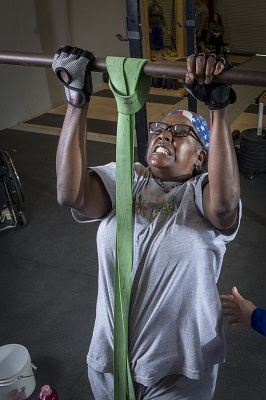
(157, 70)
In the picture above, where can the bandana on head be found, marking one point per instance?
(199, 123)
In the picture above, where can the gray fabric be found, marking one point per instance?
(156, 17)
(201, 11)
(175, 324)
(214, 28)
(172, 387)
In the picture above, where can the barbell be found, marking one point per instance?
(157, 70)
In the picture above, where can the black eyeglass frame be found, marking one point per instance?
(166, 127)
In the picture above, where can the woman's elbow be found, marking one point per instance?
(63, 201)
(66, 199)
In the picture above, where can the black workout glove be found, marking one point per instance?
(73, 67)
(214, 95)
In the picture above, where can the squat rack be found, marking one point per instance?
(157, 70)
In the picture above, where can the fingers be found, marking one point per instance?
(75, 52)
(231, 312)
(210, 68)
(224, 297)
(200, 68)
(203, 68)
(219, 67)
(236, 294)
(191, 69)
(229, 306)
(234, 321)
(87, 54)
(64, 49)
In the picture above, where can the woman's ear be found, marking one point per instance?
(201, 156)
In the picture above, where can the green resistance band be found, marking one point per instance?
(131, 89)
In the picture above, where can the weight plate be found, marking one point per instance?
(175, 84)
(169, 83)
(164, 83)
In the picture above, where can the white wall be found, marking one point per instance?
(41, 26)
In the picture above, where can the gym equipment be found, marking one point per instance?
(157, 70)
(171, 32)
(130, 90)
(172, 51)
(13, 188)
(252, 153)
(168, 73)
(252, 148)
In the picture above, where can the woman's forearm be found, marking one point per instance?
(223, 166)
(71, 157)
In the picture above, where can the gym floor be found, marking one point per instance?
(48, 282)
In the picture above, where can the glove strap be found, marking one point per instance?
(75, 97)
(130, 90)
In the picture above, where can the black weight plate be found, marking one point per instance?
(254, 154)
(164, 83)
(176, 84)
(169, 83)
(159, 82)
(252, 166)
(257, 142)
(105, 77)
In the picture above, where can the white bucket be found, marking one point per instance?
(17, 380)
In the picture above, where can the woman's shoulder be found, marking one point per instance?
(140, 169)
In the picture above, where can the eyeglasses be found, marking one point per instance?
(177, 130)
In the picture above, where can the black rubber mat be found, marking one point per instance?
(152, 98)
(95, 125)
(56, 120)
(254, 109)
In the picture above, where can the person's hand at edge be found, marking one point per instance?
(236, 307)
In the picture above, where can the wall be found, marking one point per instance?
(244, 23)
(40, 26)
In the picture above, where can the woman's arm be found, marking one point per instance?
(203, 23)
(76, 188)
(222, 192)
(221, 195)
(163, 19)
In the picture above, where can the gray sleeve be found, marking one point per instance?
(107, 173)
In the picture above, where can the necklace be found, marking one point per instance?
(167, 188)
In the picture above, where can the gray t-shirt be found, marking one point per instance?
(201, 11)
(175, 322)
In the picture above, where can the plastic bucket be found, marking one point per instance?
(17, 380)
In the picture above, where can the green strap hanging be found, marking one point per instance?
(131, 90)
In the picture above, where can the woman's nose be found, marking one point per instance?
(166, 135)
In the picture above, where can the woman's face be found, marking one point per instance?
(174, 158)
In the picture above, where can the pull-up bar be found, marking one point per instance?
(157, 70)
